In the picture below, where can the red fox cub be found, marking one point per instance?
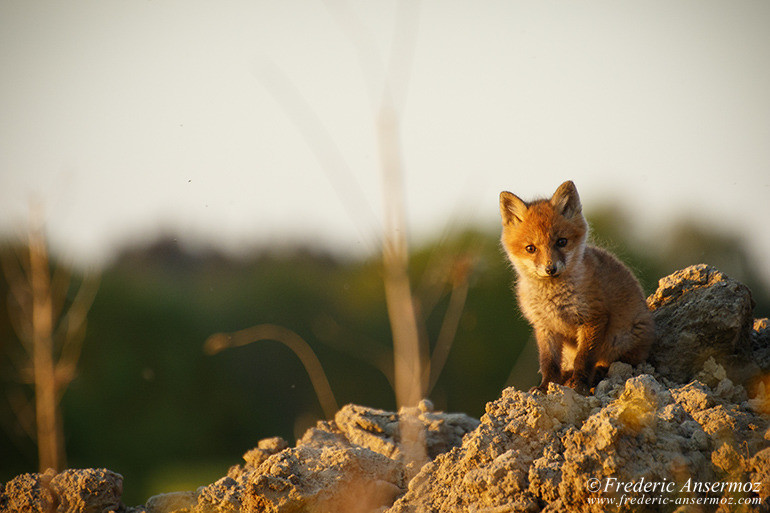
(586, 307)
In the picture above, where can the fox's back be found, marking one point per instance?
(615, 282)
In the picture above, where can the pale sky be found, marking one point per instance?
(129, 118)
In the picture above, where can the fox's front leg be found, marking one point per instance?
(549, 347)
(590, 341)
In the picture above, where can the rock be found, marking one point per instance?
(332, 479)
(760, 343)
(176, 502)
(74, 490)
(380, 431)
(759, 472)
(374, 429)
(29, 493)
(88, 490)
(223, 496)
(700, 313)
(558, 451)
(354, 463)
(265, 448)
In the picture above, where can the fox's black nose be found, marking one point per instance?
(550, 269)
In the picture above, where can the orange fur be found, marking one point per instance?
(586, 307)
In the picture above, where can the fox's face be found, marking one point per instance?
(544, 238)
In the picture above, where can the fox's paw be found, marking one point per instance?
(578, 385)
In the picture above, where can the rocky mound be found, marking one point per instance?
(353, 463)
(561, 451)
(687, 431)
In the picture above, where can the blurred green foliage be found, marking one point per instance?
(151, 405)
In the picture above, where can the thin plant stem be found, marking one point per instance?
(220, 341)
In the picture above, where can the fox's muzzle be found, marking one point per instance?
(552, 269)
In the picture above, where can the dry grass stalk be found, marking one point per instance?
(51, 331)
(218, 342)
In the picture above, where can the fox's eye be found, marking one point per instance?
(561, 242)
(530, 248)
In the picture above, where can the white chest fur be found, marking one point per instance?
(551, 305)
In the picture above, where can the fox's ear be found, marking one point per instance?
(512, 208)
(566, 200)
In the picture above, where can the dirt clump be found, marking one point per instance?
(71, 491)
